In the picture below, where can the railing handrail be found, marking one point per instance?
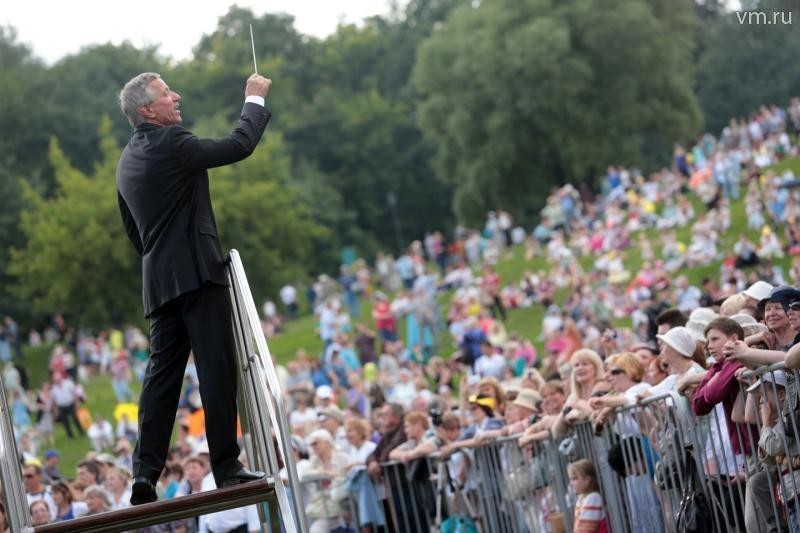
(168, 510)
(276, 407)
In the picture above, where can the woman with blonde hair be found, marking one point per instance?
(624, 371)
(587, 369)
(357, 432)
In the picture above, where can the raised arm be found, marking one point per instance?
(209, 153)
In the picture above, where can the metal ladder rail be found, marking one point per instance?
(263, 393)
(17, 513)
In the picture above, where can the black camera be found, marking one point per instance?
(436, 416)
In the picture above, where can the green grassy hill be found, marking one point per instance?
(301, 333)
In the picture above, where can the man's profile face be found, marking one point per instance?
(164, 109)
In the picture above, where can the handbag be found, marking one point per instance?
(694, 515)
(518, 482)
(458, 524)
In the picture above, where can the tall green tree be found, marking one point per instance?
(77, 257)
(520, 95)
(22, 146)
(746, 65)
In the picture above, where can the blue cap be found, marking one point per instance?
(784, 293)
(50, 453)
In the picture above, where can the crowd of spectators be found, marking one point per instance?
(414, 378)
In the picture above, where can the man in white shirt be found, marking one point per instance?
(34, 488)
(288, 296)
(490, 363)
(239, 520)
(65, 394)
(101, 433)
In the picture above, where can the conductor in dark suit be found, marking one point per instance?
(162, 185)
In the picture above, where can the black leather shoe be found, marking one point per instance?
(143, 491)
(243, 476)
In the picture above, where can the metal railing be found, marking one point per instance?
(262, 400)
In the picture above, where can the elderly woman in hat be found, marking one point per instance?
(520, 414)
(782, 319)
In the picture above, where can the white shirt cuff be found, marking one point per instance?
(254, 98)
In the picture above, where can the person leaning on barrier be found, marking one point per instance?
(624, 372)
(415, 425)
(587, 370)
(719, 383)
(390, 425)
(781, 332)
(553, 399)
(482, 409)
(520, 415)
(768, 397)
(446, 431)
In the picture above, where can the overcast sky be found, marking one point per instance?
(55, 28)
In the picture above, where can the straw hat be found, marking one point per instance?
(528, 398)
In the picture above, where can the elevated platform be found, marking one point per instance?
(168, 510)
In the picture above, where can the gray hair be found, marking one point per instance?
(134, 95)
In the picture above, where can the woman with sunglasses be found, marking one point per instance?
(624, 372)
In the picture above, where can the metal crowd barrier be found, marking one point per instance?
(331, 500)
(647, 457)
(410, 494)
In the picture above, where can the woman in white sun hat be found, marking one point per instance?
(678, 346)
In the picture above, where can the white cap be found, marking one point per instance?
(778, 377)
(681, 340)
(749, 324)
(758, 291)
(325, 392)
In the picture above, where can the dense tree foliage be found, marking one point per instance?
(451, 107)
(520, 95)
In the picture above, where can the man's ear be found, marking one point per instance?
(144, 110)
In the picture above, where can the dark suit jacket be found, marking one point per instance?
(162, 185)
